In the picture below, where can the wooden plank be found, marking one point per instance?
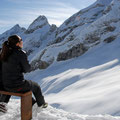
(27, 93)
(26, 107)
(15, 94)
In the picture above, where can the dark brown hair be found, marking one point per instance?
(8, 46)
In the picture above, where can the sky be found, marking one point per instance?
(24, 12)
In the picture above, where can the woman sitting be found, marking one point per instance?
(14, 64)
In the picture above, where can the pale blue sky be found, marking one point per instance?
(23, 12)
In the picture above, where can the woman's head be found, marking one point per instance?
(13, 42)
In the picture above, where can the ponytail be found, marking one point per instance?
(6, 51)
(8, 47)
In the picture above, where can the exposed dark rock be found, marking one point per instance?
(60, 39)
(53, 28)
(73, 52)
(38, 64)
(92, 38)
(110, 29)
(98, 13)
(108, 9)
(57, 40)
(110, 39)
(71, 37)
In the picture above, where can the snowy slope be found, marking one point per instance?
(91, 81)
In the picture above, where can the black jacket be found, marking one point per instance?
(13, 69)
(1, 84)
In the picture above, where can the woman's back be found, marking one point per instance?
(1, 84)
(13, 69)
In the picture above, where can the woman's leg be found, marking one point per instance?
(5, 98)
(35, 88)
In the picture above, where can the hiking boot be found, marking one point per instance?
(39, 109)
(45, 105)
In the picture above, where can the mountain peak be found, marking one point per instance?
(41, 18)
(37, 23)
(16, 29)
(17, 26)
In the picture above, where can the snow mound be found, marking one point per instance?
(49, 113)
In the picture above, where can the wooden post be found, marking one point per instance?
(26, 103)
(26, 106)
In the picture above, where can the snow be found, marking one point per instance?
(35, 39)
(49, 113)
(82, 88)
(90, 81)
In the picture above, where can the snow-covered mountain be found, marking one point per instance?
(38, 35)
(14, 30)
(89, 83)
(45, 43)
(82, 31)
